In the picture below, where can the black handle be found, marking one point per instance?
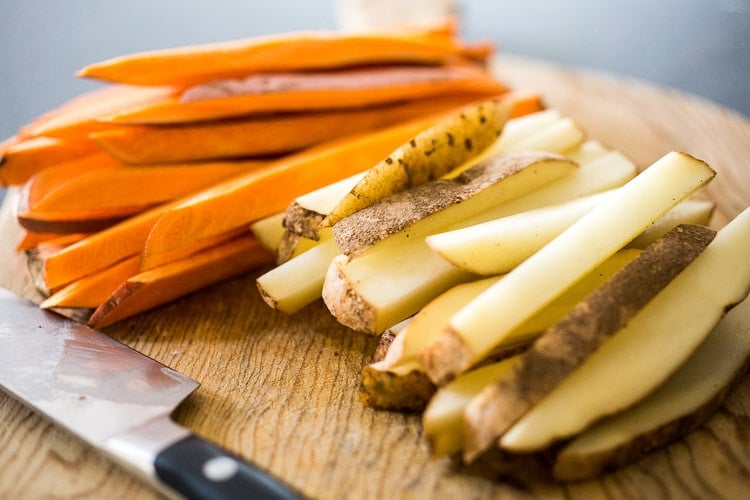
(198, 469)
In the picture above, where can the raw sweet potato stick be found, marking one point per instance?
(286, 52)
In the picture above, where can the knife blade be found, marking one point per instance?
(119, 401)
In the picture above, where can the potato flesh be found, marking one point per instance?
(708, 371)
(497, 246)
(652, 346)
(297, 282)
(442, 419)
(688, 212)
(269, 231)
(482, 324)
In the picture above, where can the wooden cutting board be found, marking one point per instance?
(283, 391)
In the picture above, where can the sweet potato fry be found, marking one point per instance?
(51, 178)
(263, 135)
(22, 160)
(298, 51)
(90, 291)
(163, 284)
(343, 89)
(31, 239)
(162, 259)
(138, 186)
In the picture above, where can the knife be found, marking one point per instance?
(119, 401)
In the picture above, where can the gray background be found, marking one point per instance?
(698, 46)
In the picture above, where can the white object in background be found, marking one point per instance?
(369, 15)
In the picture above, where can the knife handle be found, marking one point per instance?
(199, 469)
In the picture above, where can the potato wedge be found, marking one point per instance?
(681, 404)
(482, 324)
(431, 154)
(581, 332)
(661, 337)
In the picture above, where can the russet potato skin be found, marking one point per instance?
(428, 156)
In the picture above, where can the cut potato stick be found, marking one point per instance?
(51, 178)
(269, 231)
(443, 418)
(497, 246)
(480, 325)
(428, 156)
(255, 195)
(283, 52)
(22, 160)
(90, 291)
(139, 186)
(401, 271)
(426, 208)
(689, 211)
(580, 333)
(681, 404)
(308, 92)
(661, 337)
(398, 381)
(81, 115)
(163, 284)
(298, 282)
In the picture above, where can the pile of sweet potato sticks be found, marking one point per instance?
(143, 191)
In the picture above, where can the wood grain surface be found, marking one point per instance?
(283, 391)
